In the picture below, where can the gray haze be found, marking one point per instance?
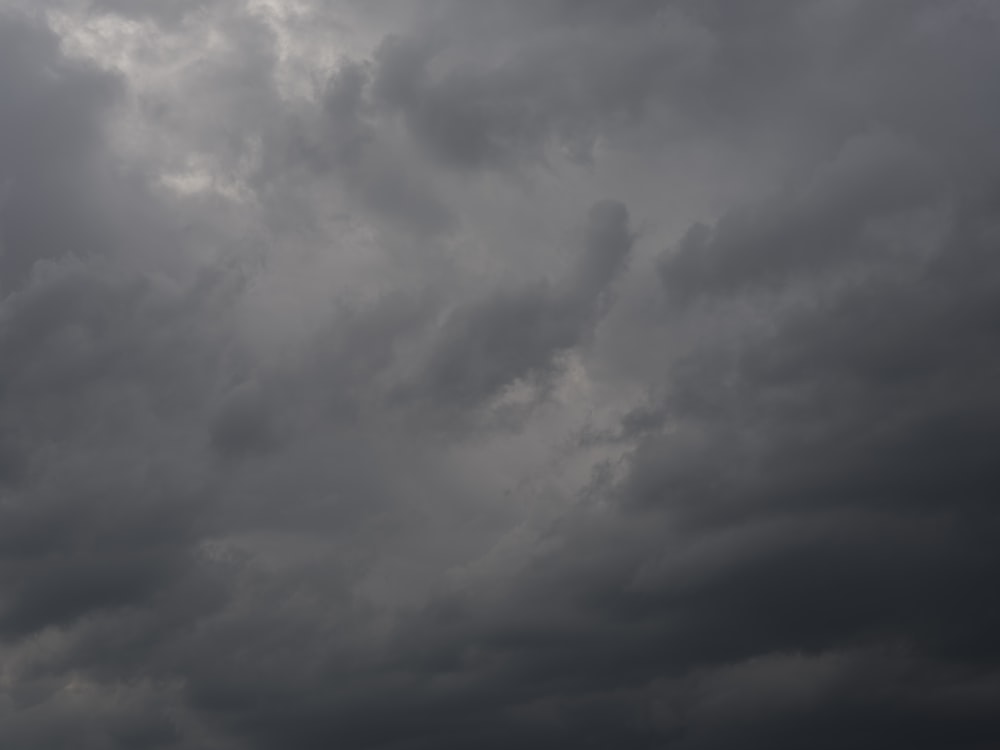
(438, 374)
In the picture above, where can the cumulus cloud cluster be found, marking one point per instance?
(438, 374)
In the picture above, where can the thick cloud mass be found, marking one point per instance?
(434, 374)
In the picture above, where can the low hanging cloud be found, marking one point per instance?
(516, 335)
(544, 374)
(804, 229)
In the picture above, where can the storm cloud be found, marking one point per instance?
(550, 374)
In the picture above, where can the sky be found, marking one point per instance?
(437, 374)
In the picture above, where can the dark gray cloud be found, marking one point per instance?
(50, 128)
(540, 374)
(826, 222)
(518, 335)
(474, 100)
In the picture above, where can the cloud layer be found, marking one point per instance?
(436, 374)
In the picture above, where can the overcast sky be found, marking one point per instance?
(440, 374)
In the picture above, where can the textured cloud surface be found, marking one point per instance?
(431, 374)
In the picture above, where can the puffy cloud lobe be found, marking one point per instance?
(103, 507)
(513, 336)
(472, 103)
(826, 222)
(344, 141)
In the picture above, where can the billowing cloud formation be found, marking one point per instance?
(436, 374)
(493, 343)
